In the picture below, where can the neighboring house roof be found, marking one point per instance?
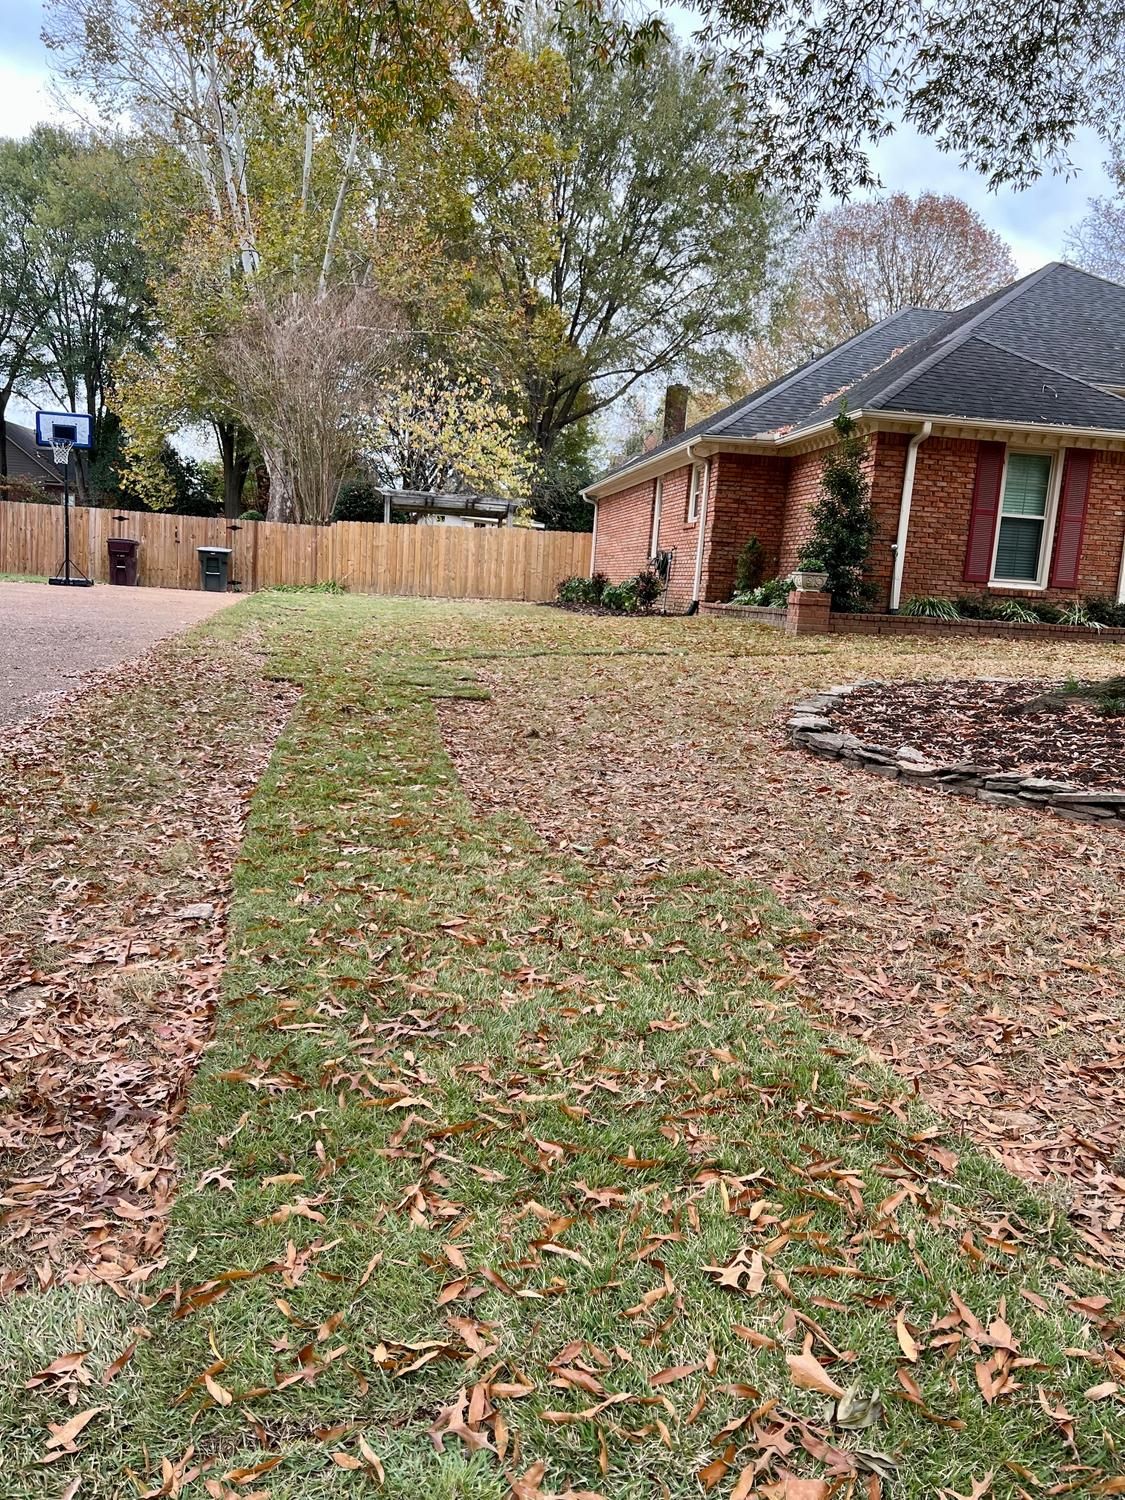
(1035, 353)
(25, 460)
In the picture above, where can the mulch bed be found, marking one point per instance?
(1026, 725)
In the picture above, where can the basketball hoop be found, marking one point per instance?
(62, 431)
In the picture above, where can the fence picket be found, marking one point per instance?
(451, 562)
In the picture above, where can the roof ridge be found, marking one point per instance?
(960, 335)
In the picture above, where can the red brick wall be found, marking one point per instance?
(886, 457)
(885, 470)
(747, 499)
(624, 532)
(771, 498)
(939, 525)
(679, 537)
(801, 492)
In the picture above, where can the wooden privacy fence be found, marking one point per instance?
(449, 562)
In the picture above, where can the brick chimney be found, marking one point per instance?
(675, 411)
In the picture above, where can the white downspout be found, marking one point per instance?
(593, 540)
(701, 522)
(904, 511)
(1121, 578)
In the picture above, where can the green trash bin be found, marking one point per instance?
(214, 568)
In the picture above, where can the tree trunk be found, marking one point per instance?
(235, 456)
(3, 436)
(261, 488)
(283, 493)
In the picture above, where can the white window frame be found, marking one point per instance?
(696, 485)
(657, 506)
(1047, 537)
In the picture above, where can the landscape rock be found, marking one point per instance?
(824, 742)
(812, 728)
(810, 722)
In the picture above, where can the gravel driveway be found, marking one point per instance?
(51, 637)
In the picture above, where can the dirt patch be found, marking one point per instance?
(120, 818)
(978, 951)
(1032, 726)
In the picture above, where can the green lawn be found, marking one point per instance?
(509, 1176)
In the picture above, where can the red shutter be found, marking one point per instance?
(1072, 518)
(986, 509)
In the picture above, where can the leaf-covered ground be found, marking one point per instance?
(979, 951)
(514, 1172)
(120, 818)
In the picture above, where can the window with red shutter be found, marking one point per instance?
(1072, 518)
(985, 512)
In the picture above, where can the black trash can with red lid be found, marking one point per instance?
(123, 560)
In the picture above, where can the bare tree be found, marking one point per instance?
(302, 368)
(1097, 241)
(863, 261)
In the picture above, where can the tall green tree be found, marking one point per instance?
(24, 292)
(92, 268)
(181, 379)
(603, 207)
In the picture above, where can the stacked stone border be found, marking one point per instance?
(805, 616)
(813, 728)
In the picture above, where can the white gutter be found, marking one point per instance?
(1121, 578)
(593, 540)
(904, 511)
(701, 522)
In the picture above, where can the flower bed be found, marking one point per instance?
(1025, 744)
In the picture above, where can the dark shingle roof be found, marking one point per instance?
(786, 400)
(979, 379)
(25, 461)
(1032, 353)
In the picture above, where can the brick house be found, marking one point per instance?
(996, 454)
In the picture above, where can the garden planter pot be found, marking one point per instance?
(805, 578)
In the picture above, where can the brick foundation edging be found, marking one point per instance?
(883, 624)
(870, 623)
(759, 614)
(811, 728)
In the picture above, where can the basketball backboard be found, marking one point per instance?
(55, 427)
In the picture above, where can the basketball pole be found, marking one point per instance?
(64, 578)
(66, 516)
